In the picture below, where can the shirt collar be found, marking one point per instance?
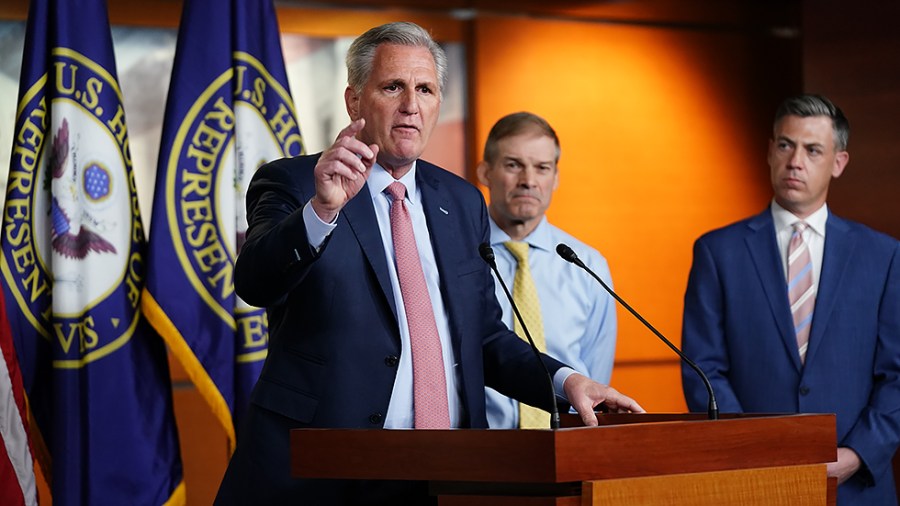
(380, 179)
(539, 238)
(785, 219)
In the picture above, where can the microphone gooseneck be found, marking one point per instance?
(569, 255)
(487, 254)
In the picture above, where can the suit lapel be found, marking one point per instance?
(360, 215)
(839, 248)
(443, 228)
(766, 259)
(444, 232)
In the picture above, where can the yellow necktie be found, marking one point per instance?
(526, 297)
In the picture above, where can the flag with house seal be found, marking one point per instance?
(229, 111)
(74, 264)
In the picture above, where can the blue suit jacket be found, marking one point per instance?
(739, 330)
(334, 335)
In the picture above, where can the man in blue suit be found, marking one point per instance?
(320, 255)
(796, 310)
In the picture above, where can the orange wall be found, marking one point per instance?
(662, 139)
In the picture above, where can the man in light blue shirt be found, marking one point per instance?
(579, 319)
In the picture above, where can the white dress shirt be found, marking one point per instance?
(814, 236)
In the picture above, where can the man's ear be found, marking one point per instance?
(841, 159)
(481, 172)
(351, 100)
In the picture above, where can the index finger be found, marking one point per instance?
(352, 129)
(625, 404)
(588, 417)
(347, 139)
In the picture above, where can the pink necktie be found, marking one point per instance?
(429, 382)
(801, 292)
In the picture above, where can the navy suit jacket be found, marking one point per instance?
(334, 335)
(739, 330)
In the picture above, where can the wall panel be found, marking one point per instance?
(664, 134)
(854, 61)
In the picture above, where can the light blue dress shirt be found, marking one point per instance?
(400, 412)
(579, 316)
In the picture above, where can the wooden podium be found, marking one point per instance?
(634, 459)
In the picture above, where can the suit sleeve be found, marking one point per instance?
(876, 434)
(276, 254)
(703, 335)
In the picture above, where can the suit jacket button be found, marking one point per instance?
(375, 418)
(804, 390)
(391, 361)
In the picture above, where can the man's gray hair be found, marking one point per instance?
(361, 55)
(806, 106)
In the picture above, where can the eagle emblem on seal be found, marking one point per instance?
(96, 185)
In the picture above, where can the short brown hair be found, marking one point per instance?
(515, 124)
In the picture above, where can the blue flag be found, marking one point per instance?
(228, 112)
(73, 264)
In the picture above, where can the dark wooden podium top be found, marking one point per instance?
(623, 446)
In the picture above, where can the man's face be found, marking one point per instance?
(802, 161)
(400, 103)
(521, 180)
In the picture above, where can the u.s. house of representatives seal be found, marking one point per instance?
(72, 234)
(243, 119)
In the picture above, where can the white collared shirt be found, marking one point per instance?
(814, 236)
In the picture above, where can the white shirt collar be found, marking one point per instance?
(785, 219)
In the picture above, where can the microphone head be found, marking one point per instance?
(486, 252)
(567, 253)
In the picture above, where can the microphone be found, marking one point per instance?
(487, 254)
(569, 255)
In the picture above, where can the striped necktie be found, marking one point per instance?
(801, 291)
(526, 297)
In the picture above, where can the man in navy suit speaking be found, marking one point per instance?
(796, 310)
(382, 314)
